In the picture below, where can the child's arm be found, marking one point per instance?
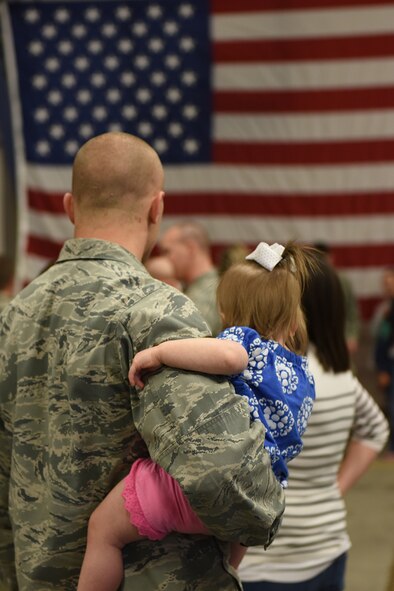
(206, 355)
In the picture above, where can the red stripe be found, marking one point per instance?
(42, 247)
(367, 307)
(334, 204)
(48, 202)
(304, 153)
(311, 101)
(272, 50)
(224, 6)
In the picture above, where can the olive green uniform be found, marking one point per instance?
(71, 425)
(203, 293)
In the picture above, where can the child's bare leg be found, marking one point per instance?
(108, 532)
(236, 555)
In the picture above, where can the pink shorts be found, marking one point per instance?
(156, 503)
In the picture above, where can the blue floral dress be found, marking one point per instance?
(280, 391)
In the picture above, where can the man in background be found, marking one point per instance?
(187, 245)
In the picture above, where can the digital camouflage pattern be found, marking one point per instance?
(71, 425)
(203, 293)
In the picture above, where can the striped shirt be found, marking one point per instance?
(314, 532)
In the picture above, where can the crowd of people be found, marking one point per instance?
(166, 423)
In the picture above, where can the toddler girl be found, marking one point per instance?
(260, 303)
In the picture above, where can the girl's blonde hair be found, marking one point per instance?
(269, 301)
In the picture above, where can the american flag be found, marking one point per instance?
(274, 118)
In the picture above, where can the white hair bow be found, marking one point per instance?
(267, 256)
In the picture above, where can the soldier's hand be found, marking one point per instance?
(143, 362)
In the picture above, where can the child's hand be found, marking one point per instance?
(146, 360)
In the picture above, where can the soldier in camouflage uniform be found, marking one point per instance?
(71, 424)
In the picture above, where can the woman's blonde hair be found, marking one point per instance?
(269, 301)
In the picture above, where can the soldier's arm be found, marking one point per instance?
(7, 569)
(199, 431)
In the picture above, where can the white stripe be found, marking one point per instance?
(293, 24)
(336, 74)
(57, 228)
(247, 179)
(341, 230)
(360, 125)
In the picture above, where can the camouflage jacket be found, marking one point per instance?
(203, 293)
(71, 425)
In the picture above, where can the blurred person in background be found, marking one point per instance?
(235, 253)
(346, 432)
(161, 268)
(384, 350)
(187, 245)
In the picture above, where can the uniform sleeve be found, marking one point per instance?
(370, 425)
(7, 570)
(199, 431)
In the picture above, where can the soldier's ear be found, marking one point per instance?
(68, 204)
(156, 208)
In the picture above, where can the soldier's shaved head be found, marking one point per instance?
(115, 171)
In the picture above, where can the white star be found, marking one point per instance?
(158, 78)
(56, 131)
(68, 80)
(190, 111)
(32, 15)
(41, 115)
(81, 63)
(61, 15)
(36, 47)
(111, 62)
(173, 94)
(125, 45)
(154, 11)
(186, 10)
(71, 147)
(140, 29)
(78, 30)
(39, 81)
(95, 46)
(113, 95)
(98, 79)
(159, 111)
(84, 96)
(145, 128)
(70, 113)
(100, 113)
(141, 61)
(175, 129)
(109, 30)
(65, 47)
(115, 126)
(160, 144)
(129, 112)
(123, 13)
(191, 146)
(86, 130)
(187, 44)
(49, 31)
(127, 79)
(92, 14)
(170, 27)
(156, 44)
(172, 61)
(189, 77)
(43, 147)
(55, 97)
(52, 64)
(143, 95)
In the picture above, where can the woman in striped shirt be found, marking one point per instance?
(346, 432)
